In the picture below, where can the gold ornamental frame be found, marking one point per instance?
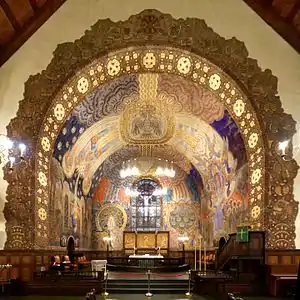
(157, 43)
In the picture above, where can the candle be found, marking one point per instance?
(195, 254)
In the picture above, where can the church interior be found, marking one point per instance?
(149, 150)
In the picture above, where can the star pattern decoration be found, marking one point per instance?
(67, 137)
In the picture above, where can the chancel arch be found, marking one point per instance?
(148, 115)
(185, 90)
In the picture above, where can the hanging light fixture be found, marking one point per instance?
(160, 192)
(166, 171)
(11, 152)
(146, 189)
(129, 169)
(131, 192)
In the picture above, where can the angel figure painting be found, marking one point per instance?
(147, 124)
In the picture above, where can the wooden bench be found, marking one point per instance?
(279, 276)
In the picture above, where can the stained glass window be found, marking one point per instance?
(146, 208)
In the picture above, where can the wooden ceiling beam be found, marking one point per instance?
(282, 26)
(293, 12)
(41, 16)
(11, 17)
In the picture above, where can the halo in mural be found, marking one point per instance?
(111, 215)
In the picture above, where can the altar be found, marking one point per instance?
(146, 261)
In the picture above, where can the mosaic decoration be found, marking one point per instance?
(183, 218)
(82, 151)
(145, 121)
(109, 211)
(51, 96)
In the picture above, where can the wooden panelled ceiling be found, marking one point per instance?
(19, 19)
(282, 15)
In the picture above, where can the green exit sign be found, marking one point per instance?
(242, 234)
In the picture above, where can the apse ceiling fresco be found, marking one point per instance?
(148, 117)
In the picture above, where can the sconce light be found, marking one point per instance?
(11, 152)
(286, 151)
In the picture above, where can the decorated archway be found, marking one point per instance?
(112, 52)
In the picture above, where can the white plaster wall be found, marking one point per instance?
(227, 17)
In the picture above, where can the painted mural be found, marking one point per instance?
(209, 193)
(228, 185)
(71, 214)
(113, 215)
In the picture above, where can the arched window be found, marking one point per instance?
(146, 212)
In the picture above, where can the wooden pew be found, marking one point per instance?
(280, 276)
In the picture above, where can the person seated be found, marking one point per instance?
(55, 264)
(66, 262)
(82, 262)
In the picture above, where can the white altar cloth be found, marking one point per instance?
(146, 256)
(98, 265)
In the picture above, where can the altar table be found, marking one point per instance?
(98, 265)
(146, 261)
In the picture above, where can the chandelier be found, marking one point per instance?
(129, 169)
(165, 169)
(165, 172)
(11, 152)
(135, 193)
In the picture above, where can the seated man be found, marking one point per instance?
(55, 264)
(66, 262)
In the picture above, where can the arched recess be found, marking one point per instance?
(187, 48)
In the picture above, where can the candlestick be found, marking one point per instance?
(204, 257)
(200, 266)
(195, 254)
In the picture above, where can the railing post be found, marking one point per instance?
(149, 294)
(105, 294)
(188, 293)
